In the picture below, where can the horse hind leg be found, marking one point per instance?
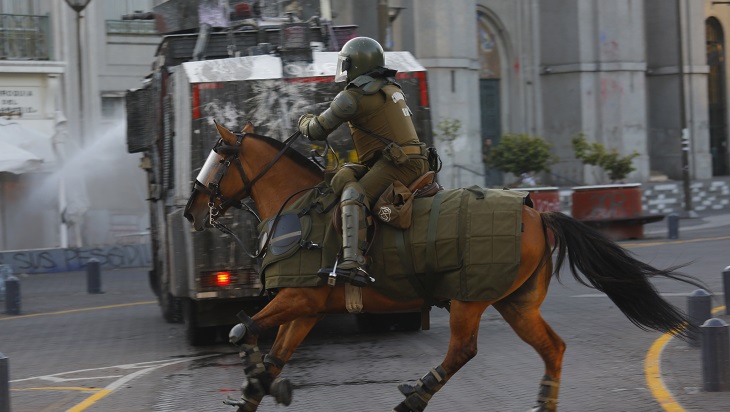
(464, 326)
(522, 311)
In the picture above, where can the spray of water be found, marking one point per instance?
(94, 185)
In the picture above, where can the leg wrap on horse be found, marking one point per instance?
(273, 361)
(259, 380)
(418, 395)
(238, 332)
(547, 398)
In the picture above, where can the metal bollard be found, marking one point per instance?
(12, 296)
(93, 276)
(715, 355)
(673, 225)
(4, 384)
(5, 272)
(699, 309)
(726, 288)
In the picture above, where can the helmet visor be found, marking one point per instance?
(343, 64)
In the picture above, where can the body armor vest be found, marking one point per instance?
(384, 113)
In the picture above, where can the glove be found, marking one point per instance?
(304, 121)
(309, 126)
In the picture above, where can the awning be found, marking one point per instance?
(24, 150)
(16, 160)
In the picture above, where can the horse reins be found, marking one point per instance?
(214, 192)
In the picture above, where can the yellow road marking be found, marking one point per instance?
(653, 373)
(90, 400)
(63, 312)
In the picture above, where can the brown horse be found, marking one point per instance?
(269, 172)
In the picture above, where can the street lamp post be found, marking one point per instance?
(78, 6)
(685, 133)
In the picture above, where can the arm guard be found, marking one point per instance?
(342, 109)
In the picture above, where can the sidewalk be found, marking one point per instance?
(705, 220)
(680, 363)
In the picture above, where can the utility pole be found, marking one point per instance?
(383, 21)
(685, 134)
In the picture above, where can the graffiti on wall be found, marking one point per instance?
(74, 259)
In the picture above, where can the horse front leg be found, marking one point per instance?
(464, 326)
(288, 305)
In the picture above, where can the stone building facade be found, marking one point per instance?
(612, 70)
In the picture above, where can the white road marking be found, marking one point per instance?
(143, 366)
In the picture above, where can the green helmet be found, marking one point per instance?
(357, 57)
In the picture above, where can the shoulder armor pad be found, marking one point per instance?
(345, 104)
(368, 85)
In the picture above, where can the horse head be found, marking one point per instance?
(248, 164)
(222, 181)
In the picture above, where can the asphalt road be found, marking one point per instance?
(72, 351)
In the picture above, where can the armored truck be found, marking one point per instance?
(204, 278)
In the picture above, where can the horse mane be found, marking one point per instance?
(291, 153)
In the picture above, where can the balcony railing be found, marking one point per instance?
(24, 37)
(131, 27)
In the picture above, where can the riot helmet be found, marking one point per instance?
(357, 57)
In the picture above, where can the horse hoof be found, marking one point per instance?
(281, 390)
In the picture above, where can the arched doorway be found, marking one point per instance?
(718, 97)
(490, 73)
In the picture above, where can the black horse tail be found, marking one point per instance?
(611, 269)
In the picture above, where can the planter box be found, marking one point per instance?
(545, 199)
(615, 210)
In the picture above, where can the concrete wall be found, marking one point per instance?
(593, 81)
(664, 95)
(605, 68)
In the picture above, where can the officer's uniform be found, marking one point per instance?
(376, 109)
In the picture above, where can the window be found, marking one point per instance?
(115, 10)
(20, 7)
(112, 107)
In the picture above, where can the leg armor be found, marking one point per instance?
(418, 395)
(259, 381)
(547, 398)
(354, 227)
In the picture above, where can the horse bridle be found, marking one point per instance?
(215, 167)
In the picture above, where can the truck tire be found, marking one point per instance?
(170, 307)
(384, 322)
(197, 335)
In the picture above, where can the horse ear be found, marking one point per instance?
(248, 128)
(226, 134)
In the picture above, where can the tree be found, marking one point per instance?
(610, 161)
(521, 155)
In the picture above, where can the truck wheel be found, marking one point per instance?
(170, 307)
(383, 322)
(197, 335)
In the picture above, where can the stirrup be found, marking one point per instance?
(356, 277)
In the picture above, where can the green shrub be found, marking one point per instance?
(610, 161)
(521, 154)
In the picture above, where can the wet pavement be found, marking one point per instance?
(69, 346)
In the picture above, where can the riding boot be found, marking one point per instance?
(351, 267)
(354, 229)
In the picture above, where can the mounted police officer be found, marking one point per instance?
(382, 130)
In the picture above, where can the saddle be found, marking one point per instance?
(425, 186)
